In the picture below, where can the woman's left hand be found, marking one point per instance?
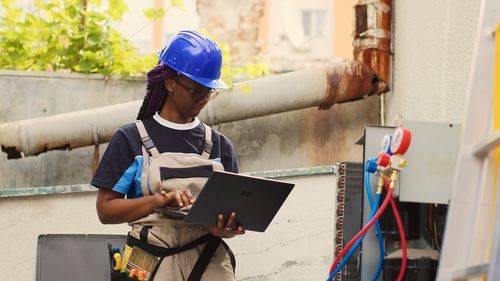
(225, 230)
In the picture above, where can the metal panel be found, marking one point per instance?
(77, 257)
(432, 158)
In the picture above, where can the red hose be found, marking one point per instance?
(401, 236)
(365, 229)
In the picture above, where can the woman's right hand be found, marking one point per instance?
(228, 229)
(180, 198)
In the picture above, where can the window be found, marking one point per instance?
(313, 22)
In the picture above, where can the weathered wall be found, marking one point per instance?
(27, 95)
(429, 85)
(433, 47)
(235, 22)
(301, 138)
(297, 246)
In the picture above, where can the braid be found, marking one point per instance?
(156, 94)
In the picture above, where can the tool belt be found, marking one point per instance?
(212, 243)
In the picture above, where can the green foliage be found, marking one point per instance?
(76, 36)
(153, 13)
(179, 4)
(68, 35)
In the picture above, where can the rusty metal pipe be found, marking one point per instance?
(64, 131)
(372, 37)
(344, 80)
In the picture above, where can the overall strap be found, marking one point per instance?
(231, 255)
(165, 252)
(147, 142)
(204, 258)
(207, 147)
(207, 254)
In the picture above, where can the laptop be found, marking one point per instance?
(255, 200)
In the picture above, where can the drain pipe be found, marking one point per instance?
(372, 41)
(343, 81)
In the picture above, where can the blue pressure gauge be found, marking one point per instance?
(385, 144)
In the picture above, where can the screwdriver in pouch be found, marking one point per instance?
(116, 264)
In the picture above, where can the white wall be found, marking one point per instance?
(433, 47)
(297, 246)
(287, 38)
(24, 218)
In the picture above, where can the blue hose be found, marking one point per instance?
(374, 207)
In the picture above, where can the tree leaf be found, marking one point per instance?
(117, 8)
(179, 4)
(154, 13)
(96, 3)
(7, 3)
(86, 65)
(245, 88)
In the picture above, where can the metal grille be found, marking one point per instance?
(349, 215)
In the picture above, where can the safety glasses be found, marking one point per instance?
(199, 94)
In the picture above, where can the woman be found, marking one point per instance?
(164, 159)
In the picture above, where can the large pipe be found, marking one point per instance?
(372, 36)
(344, 80)
(65, 131)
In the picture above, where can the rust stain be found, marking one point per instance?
(44, 147)
(56, 146)
(331, 134)
(372, 37)
(12, 152)
(351, 81)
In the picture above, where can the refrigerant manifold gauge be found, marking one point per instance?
(400, 141)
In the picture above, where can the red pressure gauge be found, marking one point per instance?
(400, 141)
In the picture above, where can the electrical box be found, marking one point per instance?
(427, 179)
(432, 159)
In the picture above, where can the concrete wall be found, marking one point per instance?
(433, 48)
(27, 95)
(301, 138)
(297, 245)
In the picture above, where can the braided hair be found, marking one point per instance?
(156, 94)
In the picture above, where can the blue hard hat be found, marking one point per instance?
(196, 56)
